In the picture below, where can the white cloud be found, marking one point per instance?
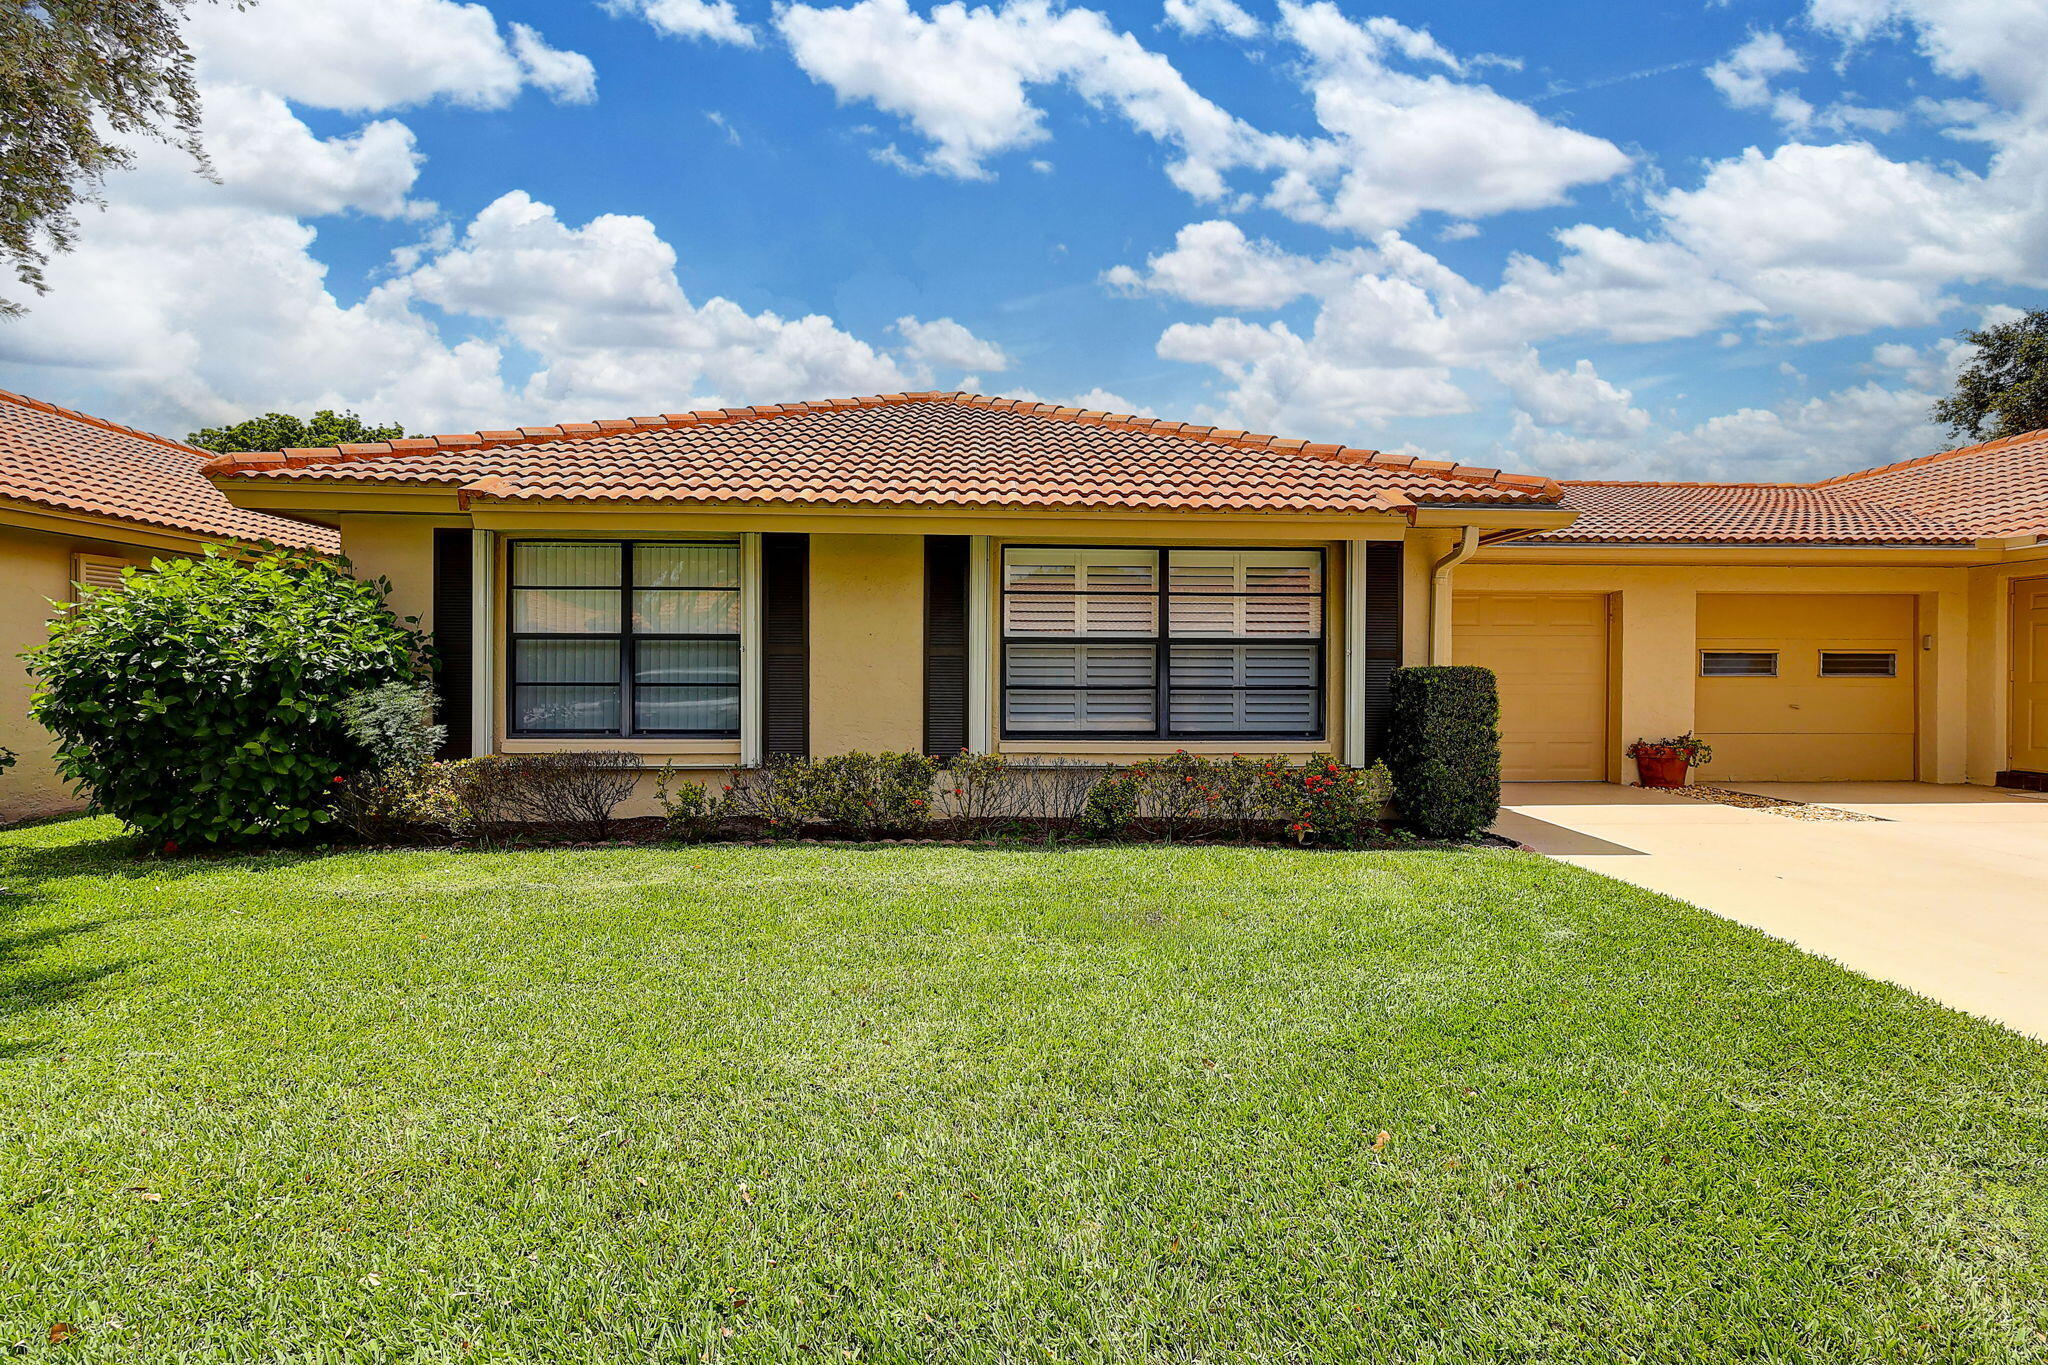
(338, 54)
(1196, 17)
(265, 157)
(1214, 263)
(1842, 239)
(1577, 400)
(713, 20)
(1401, 144)
(1396, 144)
(601, 309)
(944, 344)
(177, 317)
(568, 76)
(1998, 42)
(962, 77)
(1094, 400)
(190, 314)
(1851, 428)
(1280, 381)
(1744, 78)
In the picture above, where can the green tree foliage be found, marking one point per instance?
(205, 701)
(78, 80)
(2004, 389)
(276, 430)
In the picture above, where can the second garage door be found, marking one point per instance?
(1549, 651)
(1808, 687)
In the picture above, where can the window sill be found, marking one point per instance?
(695, 753)
(1110, 750)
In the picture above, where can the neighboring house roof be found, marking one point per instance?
(1998, 489)
(912, 450)
(70, 462)
(1994, 491)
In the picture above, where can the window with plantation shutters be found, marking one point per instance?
(97, 571)
(1101, 642)
(625, 638)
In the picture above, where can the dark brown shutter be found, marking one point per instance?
(453, 634)
(945, 645)
(1381, 632)
(785, 645)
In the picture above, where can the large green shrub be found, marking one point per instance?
(203, 703)
(1444, 750)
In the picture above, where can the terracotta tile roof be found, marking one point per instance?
(913, 450)
(73, 462)
(1743, 513)
(1997, 489)
(1994, 491)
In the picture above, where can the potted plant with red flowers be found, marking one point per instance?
(1663, 762)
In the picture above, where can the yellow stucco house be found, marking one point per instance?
(939, 572)
(1889, 624)
(80, 499)
(943, 571)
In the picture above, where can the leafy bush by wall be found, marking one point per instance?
(203, 702)
(1443, 749)
(393, 724)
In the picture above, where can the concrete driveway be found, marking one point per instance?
(1945, 893)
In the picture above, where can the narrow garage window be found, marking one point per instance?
(1738, 663)
(1858, 663)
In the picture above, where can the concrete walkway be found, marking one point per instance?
(1946, 893)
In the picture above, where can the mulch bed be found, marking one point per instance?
(1792, 810)
(646, 830)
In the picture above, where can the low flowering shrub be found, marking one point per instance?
(868, 795)
(1326, 803)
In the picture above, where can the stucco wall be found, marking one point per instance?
(867, 643)
(400, 549)
(1653, 661)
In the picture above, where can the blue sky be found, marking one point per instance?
(1676, 240)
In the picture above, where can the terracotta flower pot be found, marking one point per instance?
(1661, 767)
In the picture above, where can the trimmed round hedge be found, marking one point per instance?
(202, 703)
(1443, 748)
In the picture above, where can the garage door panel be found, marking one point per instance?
(1799, 725)
(1549, 651)
(1809, 758)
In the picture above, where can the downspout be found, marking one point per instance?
(1440, 594)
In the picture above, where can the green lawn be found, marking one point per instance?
(911, 1103)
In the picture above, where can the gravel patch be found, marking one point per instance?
(1793, 810)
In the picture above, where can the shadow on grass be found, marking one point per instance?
(29, 990)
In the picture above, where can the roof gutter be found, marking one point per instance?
(1440, 594)
(1470, 542)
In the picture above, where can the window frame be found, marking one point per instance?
(626, 637)
(1821, 665)
(1162, 641)
(1776, 669)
